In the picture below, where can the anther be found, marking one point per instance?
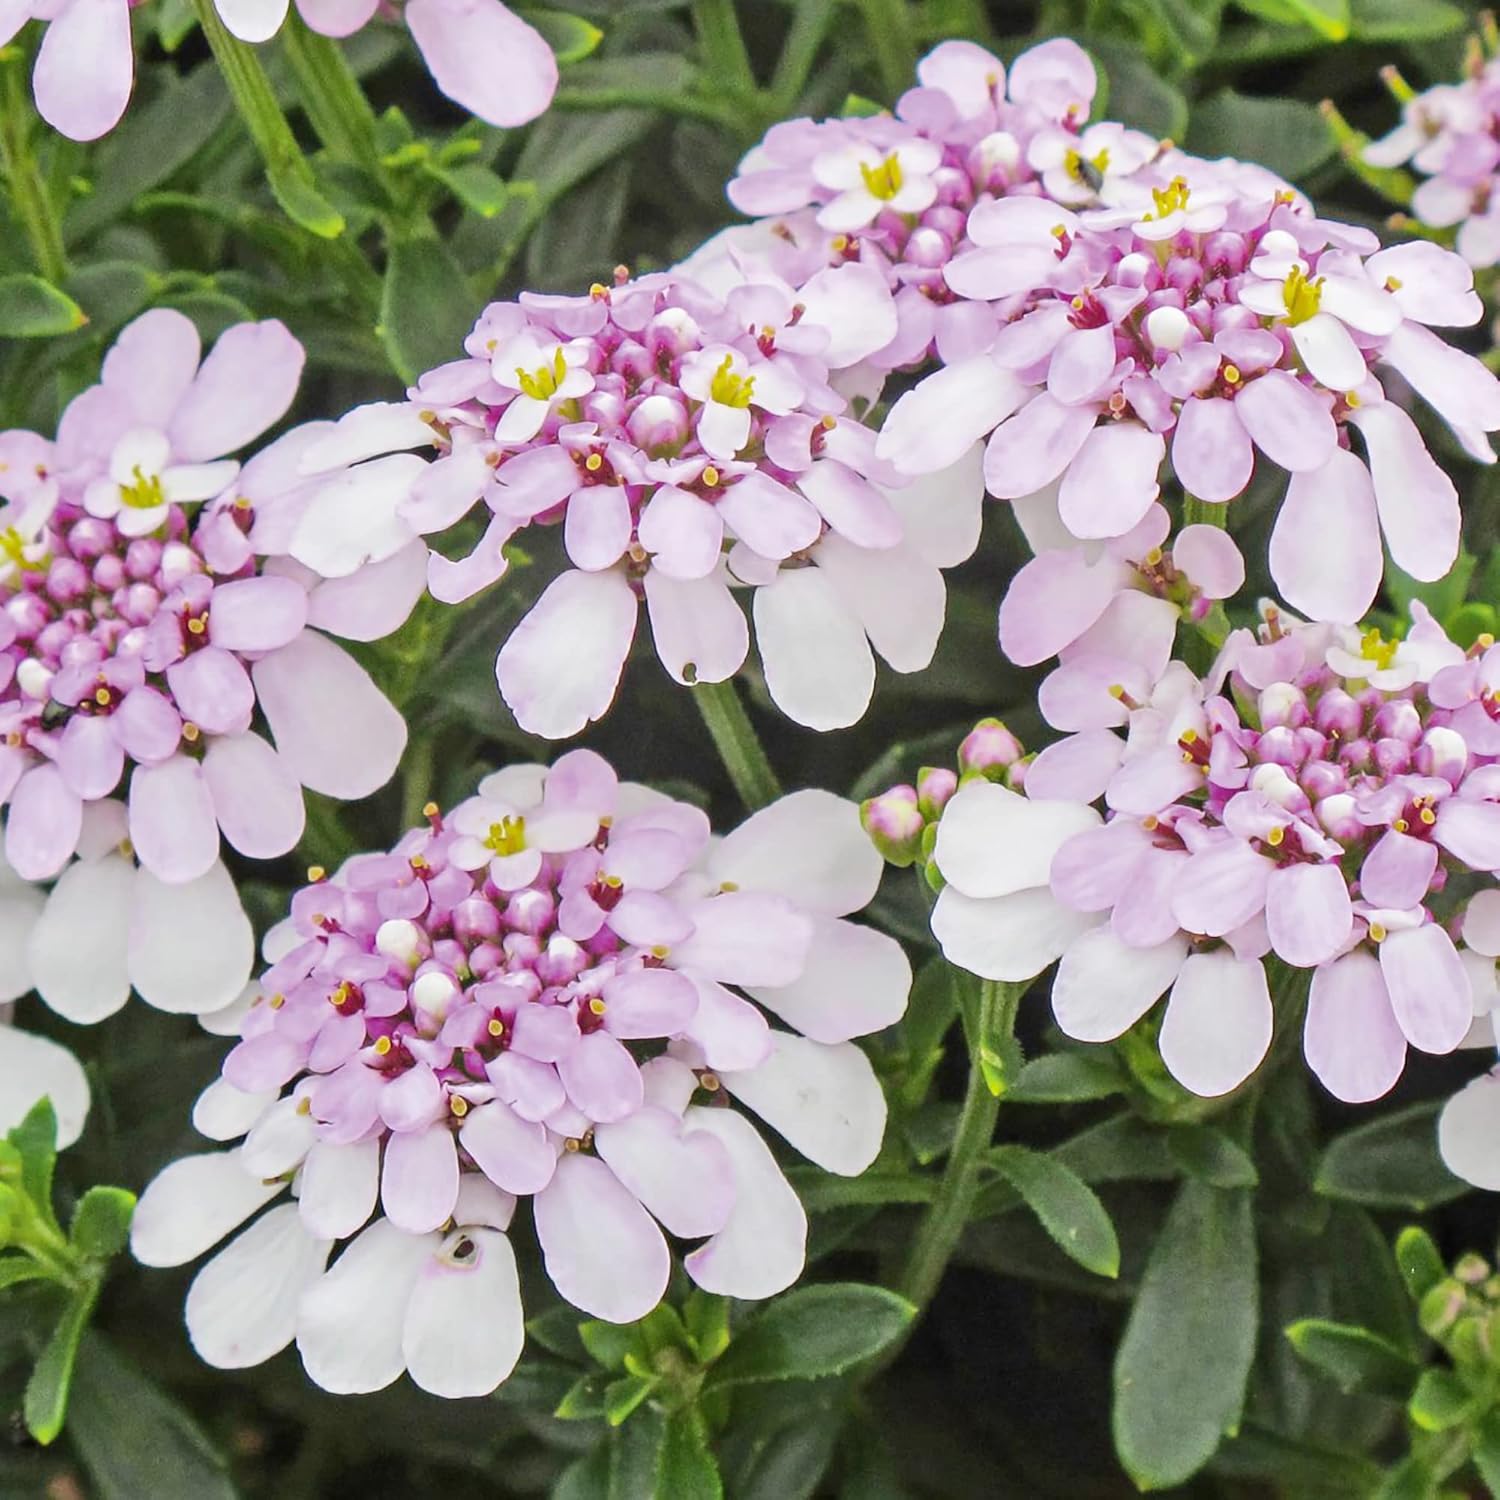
(593, 463)
(496, 1028)
(382, 1046)
(459, 1105)
(315, 874)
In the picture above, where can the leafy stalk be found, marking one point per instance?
(738, 744)
(30, 198)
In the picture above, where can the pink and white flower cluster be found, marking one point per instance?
(554, 993)
(1447, 134)
(1098, 314)
(1337, 808)
(687, 447)
(480, 53)
(138, 644)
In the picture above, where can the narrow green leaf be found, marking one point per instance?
(586, 1478)
(707, 1317)
(31, 308)
(635, 1456)
(1209, 1155)
(426, 309)
(1440, 1401)
(1066, 1207)
(1403, 20)
(623, 1396)
(817, 1330)
(1392, 1162)
(1419, 1262)
(1411, 1479)
(480, 190)
(134, 1439)
(14, 1269)
(1172, 1402)
(687, 1469)
(1354, 1358)
(101, 1222)
(584, 1399)
(1486, 1439)
(607, 1343)
(46, 1404)
(1329, 18)
(1291, 137)
(569, 36)
(1068, 1078)
(294, 189)
(36, 1139)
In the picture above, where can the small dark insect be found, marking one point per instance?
(55, 714)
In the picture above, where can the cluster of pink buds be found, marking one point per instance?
(1325, 797)
(553, 993)
(687, 446)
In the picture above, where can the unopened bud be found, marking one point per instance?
(894, 823)
(1439, 1310)
(989, 748)
(401, 940)
(1444, 753)
(935, 785)
(1471, 1269)
(1167, 328)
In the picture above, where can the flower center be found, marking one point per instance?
(1374, 647)
(1301, 295)
(884, 181)
(144, 492)
(1171, 199)
(508, 836)
(543, 382)
(729, 389)
(13, 550)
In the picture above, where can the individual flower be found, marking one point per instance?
(136, 656)
(490, 1012)
(1207, 313)
(1313, 813)
(480, 53)
(689, 448)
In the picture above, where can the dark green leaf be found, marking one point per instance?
(623, 1396)
(1419, 1262)
(31, 308)
(1487, 1450)
(687, 1468)
(15, 1269)
(297, 193)
(1290, 137)
(1353, 1358)
(1172, 1404)
(480, 190)
(584, 1399)
(587, 1478)
(607, 1343)
(426, 310)
(1067, 1078)
(101, 1222)
(134, 1439)
(814, 1331)
(1442, 597)
(1329, 18)
(1411, 1479)
(1064, 1205)
(1296, 1467)
(46, 1404)
(110, 292)
(1403, 20)
(1124, 1149)
(1391, 1162)
(1139, 95)
(1209, 1155)
(782, 1438)
(635, 1457)
(1440, 1401)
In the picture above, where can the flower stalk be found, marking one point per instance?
(739, 746)
(28, 189)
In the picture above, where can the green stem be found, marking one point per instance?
(330, 93)
(1197, 512)
(738, 745)
(941, 1227)
(716, 112)
(28, 191)
(888, 23)
(800, 50)
(416, 780)
(723, 46)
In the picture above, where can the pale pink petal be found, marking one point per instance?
(256, 614)
(1397, 871)
(90, 756)
(1112, 481)
(1052, 601)
(1417, 501)
(371, 603)
(854, 981)
(485, 58)
(246, 384)
(819, 670)
(598, 526)
(1076, 769)
(152, 363)
(252, 20)
(172, 822)
(683, 1177)
(1325, 548)
(1211, 451)
(513, 1153)
(1468, 830)
(419, 1178)
(700, 632)
(601, 1077)
(1308, 913)
(1428, 987)
(746, 938)
(257, 801)
(1209, 557)
(1103, 987)
(1287, 421)
(1221, 888)
(43, 824)
(213, 690)
(1350, 1038)
(1469, 1133)
(1218, 1023)
(936, 422)
(1030, 449)
(85, 68)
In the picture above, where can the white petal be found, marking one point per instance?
(1469, 1133)
(824, 1100)
(193, 1203)
(1103, 986)
(191, 947)
(855, 981)
(224, 1113)
(338, 1187)
(242, 1306)
(33, 1066)
(77, 953)
(1007, 937)
(819, 670)
(992, 841)
(1218, 1023)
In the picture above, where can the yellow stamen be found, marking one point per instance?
(710, 476)
(884, 181)
(508, 836)
(729, 389)
(1301, 296)
(382, 1046)
(593, 463)
(190, 733)
(1231, 374)
(710, 1082)
(459, 1105)
(596, 1005)
(542, 383)
(1427, 816)
(315, 873)
(13, 550)
(143, 493)
(1377, 933)
(1170, 199)
(496, 1027)
(196, 625)
(1375, 648)
(1401, 825)
(1275, 837)
(101, 697)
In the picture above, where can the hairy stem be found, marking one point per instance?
(28, 190)
(888, 23)
(723, 46)
(738, 744)
(330, 93)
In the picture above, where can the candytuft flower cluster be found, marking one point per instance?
(554, 993)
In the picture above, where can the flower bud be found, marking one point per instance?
(67, 579)
(988, 748)
(894, 823)
(1282, 703)
(1337, 712)
(1340, 817)
(1167, 328)
(1444, 753)
(1398, 719)
(660, 425)
(562, 961)
(935, 785)
(431, 994)
(143, 558)
(1392, 757)
(999, 152)
(1322, 778)
(401, 939)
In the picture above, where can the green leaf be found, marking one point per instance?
(1068, 1078)
(480, 190)
(1391, 1162)
(1353, 1358)
(1209, 1155)
(294, 189)
(1124, 1149)
(426, 309)
(1291, 138)
(623, 1396)
(1065, 1206)
(1329, 18)
(569, 36)
(46, 1404)
(587, 1478)
(1403, 20)
(607, 1343)
(31, 308)
(1296, 1468)
(815, 1331)
(15, 1269)
(686, 1466)
(1138, 94)
(110, 292)
(584, 1399)
(1419, 1262)
(36, 1139)
(1486, 1438)
(1440, 1401)
(101, 1222)
(707, 1318)
(1180, 1374)
(1442, 597)
(1411, 1479)
(134, 1439)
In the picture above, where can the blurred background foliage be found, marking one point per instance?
(1229, 1226)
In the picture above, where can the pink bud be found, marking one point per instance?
(894, 822)
(989, 746)
(1338, 713)
(660, 425)
(1399, 720)
(1444, 753)
(935, 785)
(1392, 756)
(1282, 703)
(143, 558)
